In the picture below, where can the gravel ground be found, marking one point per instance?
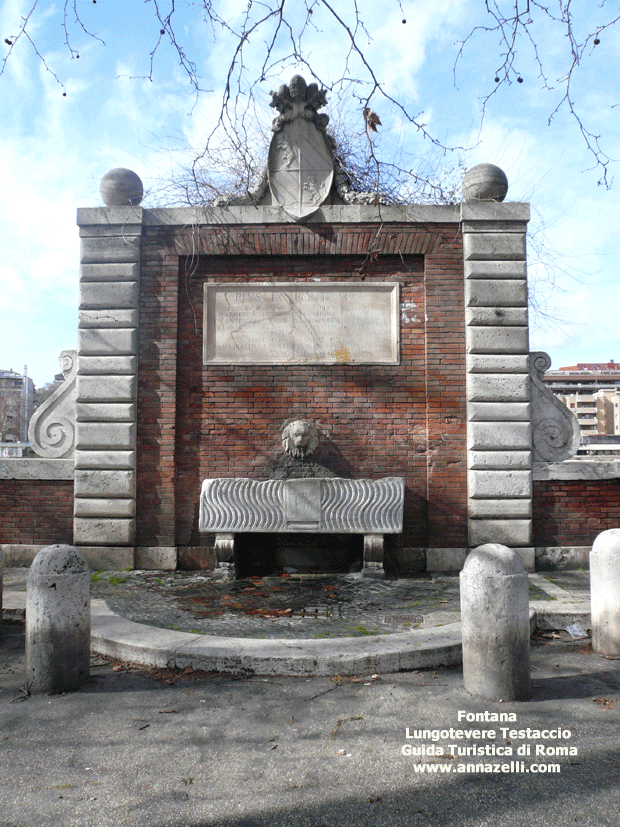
(139, 747)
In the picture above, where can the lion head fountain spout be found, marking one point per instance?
(300, 438)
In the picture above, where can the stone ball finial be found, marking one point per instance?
(485, 182)
(121, 188)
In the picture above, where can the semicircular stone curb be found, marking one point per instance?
(125, 640)
(116, 637)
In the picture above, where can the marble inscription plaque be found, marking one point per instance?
(295, 323)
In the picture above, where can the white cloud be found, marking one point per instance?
(402, 50)
(573, 229)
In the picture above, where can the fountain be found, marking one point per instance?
(308, 505)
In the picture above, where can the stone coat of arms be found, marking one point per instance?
(300, 165)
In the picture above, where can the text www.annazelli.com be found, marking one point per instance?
(512, 767)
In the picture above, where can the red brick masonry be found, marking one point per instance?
(200, 421)
(197, 421)
(573, 512)
(36, 512)
(565, 512)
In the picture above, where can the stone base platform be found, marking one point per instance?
(169, 558)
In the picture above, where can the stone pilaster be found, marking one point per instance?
(499, 439)
(105, 450)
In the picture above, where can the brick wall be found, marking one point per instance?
(573, 512)
(200, 421)
(34, 512)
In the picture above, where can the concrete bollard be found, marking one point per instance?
(58, 621)
(495, 624)
(605, 592)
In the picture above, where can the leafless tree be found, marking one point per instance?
(270, 34)
(9, 418)
(235, 171)
(518, 26)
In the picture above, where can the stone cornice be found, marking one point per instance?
(22, 468)
(327, 214)
(577, 469)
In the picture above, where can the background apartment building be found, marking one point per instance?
(592, 392)
(16, 405)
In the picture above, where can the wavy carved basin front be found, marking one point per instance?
(328, 505)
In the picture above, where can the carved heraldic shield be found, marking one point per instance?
(300, 165)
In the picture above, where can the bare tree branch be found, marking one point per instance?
(274, 33)
(518, 44)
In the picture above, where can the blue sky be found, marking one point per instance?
(55, 148)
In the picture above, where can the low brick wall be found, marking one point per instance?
(566, 513)
(36, 512)
(573, 512)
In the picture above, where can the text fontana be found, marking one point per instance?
(486, 716)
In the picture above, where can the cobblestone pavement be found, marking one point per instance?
(295, 606)
(310, 606)
(291, 607)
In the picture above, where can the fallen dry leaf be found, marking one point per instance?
(604, 702)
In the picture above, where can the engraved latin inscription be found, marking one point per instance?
(293, 323)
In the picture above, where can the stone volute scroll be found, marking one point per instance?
(555, 430)
(52, 428)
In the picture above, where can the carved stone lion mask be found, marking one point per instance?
(300, 438)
